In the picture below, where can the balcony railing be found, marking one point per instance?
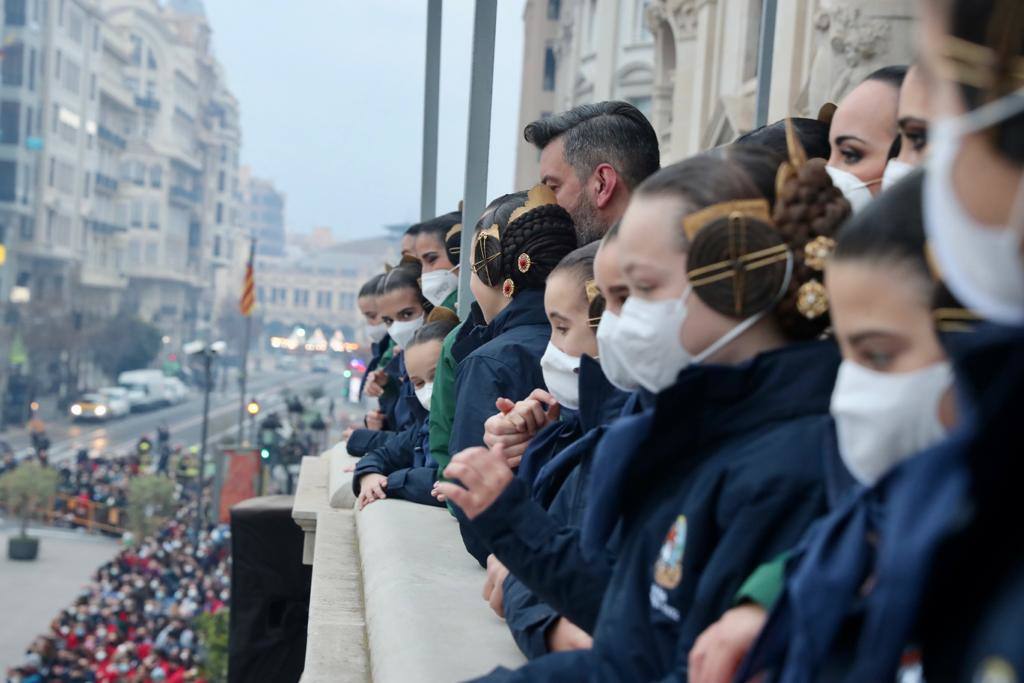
(105, 182)
(113, 138)
(148, 102)
(185, 195)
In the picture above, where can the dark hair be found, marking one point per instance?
(808, 214)
(615, 133)
(370, 287)
(528, 247)
(412, 230)
(998, 25)
(891, 231)
(891, 75)
(760, 162)
(580, 265)
(439, 227)
(813, 136)
(432, 331)
(404, 276)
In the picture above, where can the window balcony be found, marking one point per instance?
(105, 182)
(111, 137)
(149, 103)
(182, 194)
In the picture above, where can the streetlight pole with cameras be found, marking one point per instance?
(207, 353)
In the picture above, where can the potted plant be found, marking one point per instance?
(24, 490)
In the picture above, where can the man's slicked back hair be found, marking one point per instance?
(615, 133)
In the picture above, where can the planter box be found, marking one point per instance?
(22, 548)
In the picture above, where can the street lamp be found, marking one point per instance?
(252, 408)
(206, 352)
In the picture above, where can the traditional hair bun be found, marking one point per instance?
(532, 245)
(809, 210)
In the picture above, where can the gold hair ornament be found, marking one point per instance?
(456, 230)
(955, 319)
(539, 195)
(523, 263)
(508, 288)
(592, 291)
(812, 300)
(978, 65)
(750, 208)
(740, 261)
(818, 251)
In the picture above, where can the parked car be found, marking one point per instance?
(119, 400)
(176, 390)
(93, 406)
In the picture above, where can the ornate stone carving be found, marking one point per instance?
(853, 37)
(681, 16)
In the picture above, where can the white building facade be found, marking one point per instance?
(692, 65)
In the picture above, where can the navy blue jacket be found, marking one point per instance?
(405, 460)
(505, 364)
(545, 465)
(544, 546)
(377, 350)
(950, 557)
(726, 474)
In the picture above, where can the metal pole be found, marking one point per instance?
(243, 375)
(478, 138)
(766, 49)
(431, 96)
(208, 363)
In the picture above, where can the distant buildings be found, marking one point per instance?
(692, 65)
(263, 213)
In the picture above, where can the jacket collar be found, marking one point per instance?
(527, 308)
(600, 402)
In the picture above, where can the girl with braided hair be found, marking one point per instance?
(520, 238)
(726, 471)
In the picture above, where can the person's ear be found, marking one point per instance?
(606, 180)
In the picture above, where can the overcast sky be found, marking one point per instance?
(332, 103)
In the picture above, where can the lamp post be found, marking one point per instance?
(205, 352)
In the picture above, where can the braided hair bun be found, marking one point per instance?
(528, 237)
(808, 213)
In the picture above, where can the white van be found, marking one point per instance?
(151, 383)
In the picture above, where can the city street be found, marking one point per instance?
(184, 420)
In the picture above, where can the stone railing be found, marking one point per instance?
(395, 596)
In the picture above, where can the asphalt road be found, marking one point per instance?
(184, 421)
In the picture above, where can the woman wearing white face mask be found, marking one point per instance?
(893, 399)
(913, 116)
(403, 310)
(681, 494)
(440, 267)
(862, 134)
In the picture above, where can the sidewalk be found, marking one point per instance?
(36, 591)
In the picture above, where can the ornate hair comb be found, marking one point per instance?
(744, 208)
(539, 195)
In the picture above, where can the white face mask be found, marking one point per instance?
(981, 265)
(376, 332)
(884, 418)
(562, 376)
(402, 331)
(647, 334)
(853, 188)
(614, 363)
(438, 284)
(895, 171)
(424, 393)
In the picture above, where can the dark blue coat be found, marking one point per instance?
(545, 464)
(543, 547)
(377, 350)
(950, 558)
(505, 364)
(725, 475)
(405, 460)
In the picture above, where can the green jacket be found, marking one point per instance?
(764, 586)
(442, 403)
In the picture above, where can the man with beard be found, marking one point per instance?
(592, 157)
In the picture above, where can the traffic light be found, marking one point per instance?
(265, 453)
(253, 407)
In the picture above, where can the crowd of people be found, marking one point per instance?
(137, 619)
(746, 415)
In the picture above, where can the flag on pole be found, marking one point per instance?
(248, 300)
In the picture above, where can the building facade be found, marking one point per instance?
(263, 210)
(319, 287)
(692, 65)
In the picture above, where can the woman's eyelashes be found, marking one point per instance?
(407, 314)
(851, 156)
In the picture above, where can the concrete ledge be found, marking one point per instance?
(336, 632)
(425, 619)
(310, 499)
(339, 482)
